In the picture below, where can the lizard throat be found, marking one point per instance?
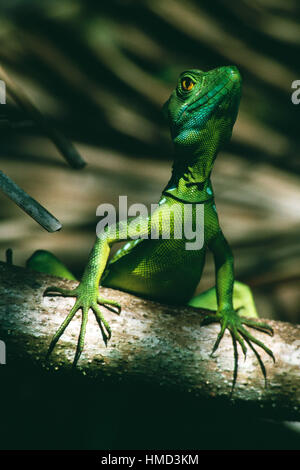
(189, 186)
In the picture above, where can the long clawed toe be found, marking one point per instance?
(60, 290)
(61, 329)
(236, 362)
(247, 335)
(219, 337)
(261, 364)
(209, 318)
(109, 304)
(249, 339)
(264, 327)
(80, 343)
(103, 324)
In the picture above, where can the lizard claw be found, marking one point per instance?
(85, 300)
(229, 319)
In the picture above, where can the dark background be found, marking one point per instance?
(100, 72)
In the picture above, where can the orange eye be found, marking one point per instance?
(187, 84)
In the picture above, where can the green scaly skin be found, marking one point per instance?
(201, 112)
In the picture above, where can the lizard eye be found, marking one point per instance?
(187, 84)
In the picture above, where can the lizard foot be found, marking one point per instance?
(86, 299)
(229, 319)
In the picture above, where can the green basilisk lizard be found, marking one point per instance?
(201, 112)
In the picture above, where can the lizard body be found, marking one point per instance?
(201, 113)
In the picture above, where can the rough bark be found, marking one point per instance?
(150, 342)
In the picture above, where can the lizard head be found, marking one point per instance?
(202, 110)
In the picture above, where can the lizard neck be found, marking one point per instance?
(190, 180)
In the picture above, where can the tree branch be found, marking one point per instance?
(150, 342)
(66, 147)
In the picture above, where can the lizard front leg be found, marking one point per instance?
(87, 292)
(226, 314)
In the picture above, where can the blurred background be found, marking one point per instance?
(100, 72)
